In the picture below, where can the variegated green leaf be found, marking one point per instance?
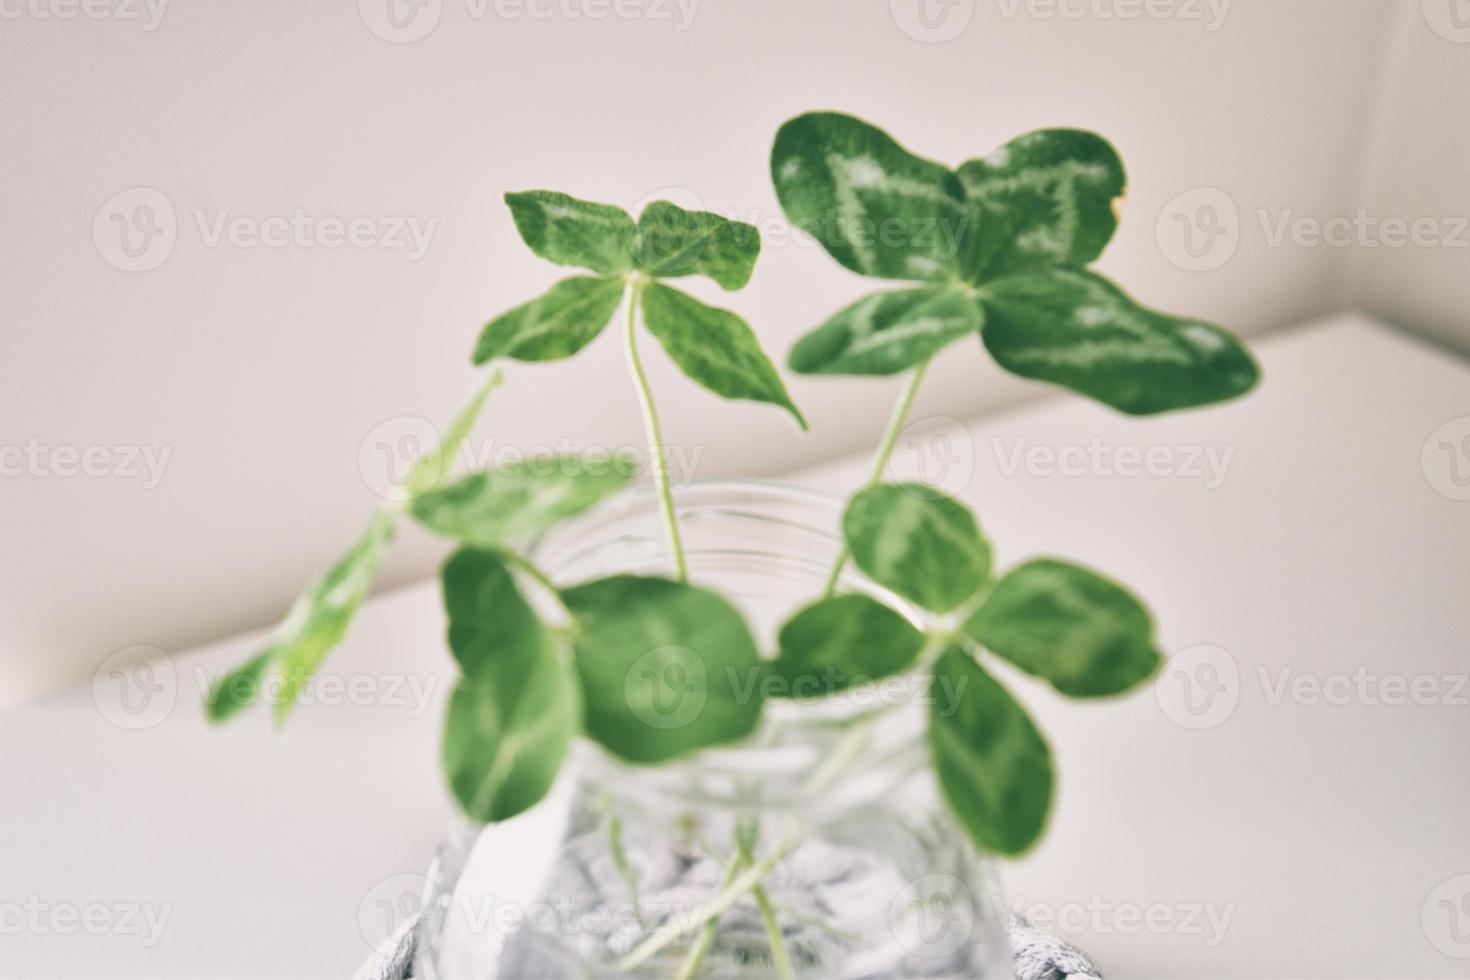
(1044, 199)
(917, 542)
(554, 325)
(568, 231)
(714, 347)
(666, 667)
(238, 689)
(517, 501)
(434, 467)
(884, 333)
(878, 209)
(513, 716)
(843, 641)
(319, 619)
(490, 622)
(994, 767)
(1084, 633)
(1076, 329)
(675, 242)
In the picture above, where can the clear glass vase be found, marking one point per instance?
(817, 848)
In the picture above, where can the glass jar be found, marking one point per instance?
(819, 847)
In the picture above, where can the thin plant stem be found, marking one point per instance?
(620, 862)
(780, 957)
(706, 940)
(880, 460)
(655, 435)
(715, 907)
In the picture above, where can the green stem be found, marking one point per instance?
(655, 435)
(711, 929)
(880, 460)
(620, 862)
(780, 957)
(681, 926)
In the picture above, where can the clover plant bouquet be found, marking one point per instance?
(994, 253)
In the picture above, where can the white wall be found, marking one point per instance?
(1418, 170)
(263, 372)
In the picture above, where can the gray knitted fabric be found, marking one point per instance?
(1038, 956)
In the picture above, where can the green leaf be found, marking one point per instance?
(878, 209)
(508, 730)
(666, 668)
(994, 767)
(714, 347)
(490, 622)
(884, 333)
(554, 325)
(319, 619)
(1044, 199)
(430, 469)
(843, 641)
(518, 501)
(564, 230)
(676, 242)
(237, 690)
(1085, 634)
(513, 716)
(1076, 329)
(917, 542)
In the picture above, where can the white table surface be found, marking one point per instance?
(1324, 839)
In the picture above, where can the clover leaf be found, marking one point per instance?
(993, 765)
(518, 501)
(1008, 234)
(1085, 634)
(666, 668)
(513, 715)
(841, 642)
(918, 543)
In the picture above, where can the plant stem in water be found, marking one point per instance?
(655, 435)
(880, 460)
(681, 926)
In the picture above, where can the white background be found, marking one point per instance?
(263, 372)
